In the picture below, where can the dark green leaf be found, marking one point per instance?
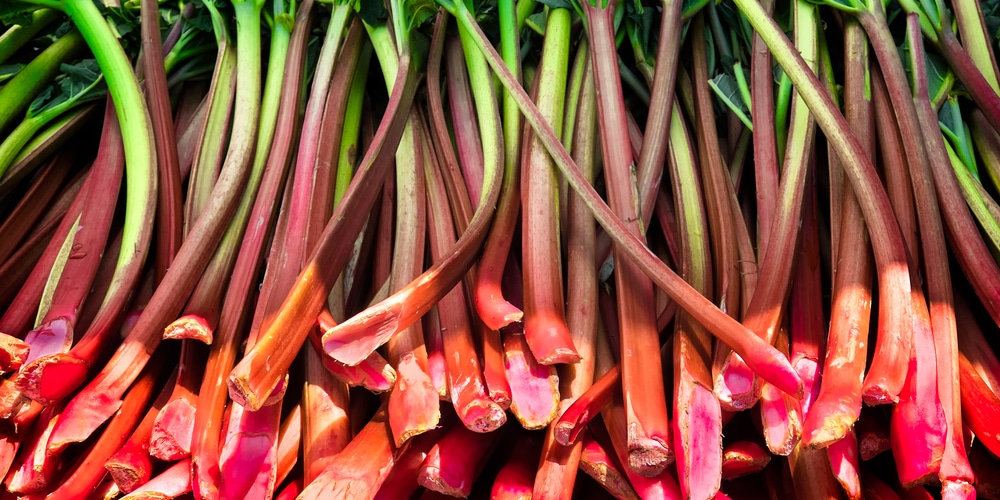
(79, 82)
(728, 91)
(16, 12)
(557, 4)
(7, 71)
(372, 12)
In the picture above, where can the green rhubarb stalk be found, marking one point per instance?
(765, 360)
(19, 34)
(544, 319)
(17, 94)
(495, 311)
(210, 149)
(557, 472)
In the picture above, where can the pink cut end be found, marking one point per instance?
(875, 394)
(52, 378)
(735, 392)
(171, 437)
(374, 373)
(130, 468)
(171, 483)
(735, 385)
(54, 337)
(190, 327)
(13, 353)
(743, 458)
(957, 490)
(780, 419)
(482, 415)
(843, 457)
(534, 390)
(827, 424)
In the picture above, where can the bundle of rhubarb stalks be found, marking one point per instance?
(521, 249)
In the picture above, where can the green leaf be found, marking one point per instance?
(79, 83)
(372, 13)
(8, 71)
(556, 4)
(692, 7)
(957, 133)
(16, 12)
(727, 89)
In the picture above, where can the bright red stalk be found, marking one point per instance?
(171, 483)
(605, 469)
(843, 456)
(741, 458)
(454, 463)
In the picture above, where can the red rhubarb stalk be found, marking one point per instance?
(741, 458)
(605, 468)
(454, 463)
(648, 431)
(764, 359)
(171, 483)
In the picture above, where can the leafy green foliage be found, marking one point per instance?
(8, 71)
(16, 12)
(79, 83)
(728, 91)
(957, 132)
(557, 4)
(372, 13)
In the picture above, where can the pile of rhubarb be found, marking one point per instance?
(513, 249)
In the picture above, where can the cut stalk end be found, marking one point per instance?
(192, 327)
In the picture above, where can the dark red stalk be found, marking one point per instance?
(987, 472)
(88, 236)
(463, 119)
(456, 460)
(360, 470)
(42, 148)
(741, 458)
(265, 365)
(169, 203)
(872, 430)
(807, 326)
(35, 201)
(17, 269)
(961, 63)
(765, 145)
(646, 422)
(205, 443)
(20, 316)
(90, 469)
